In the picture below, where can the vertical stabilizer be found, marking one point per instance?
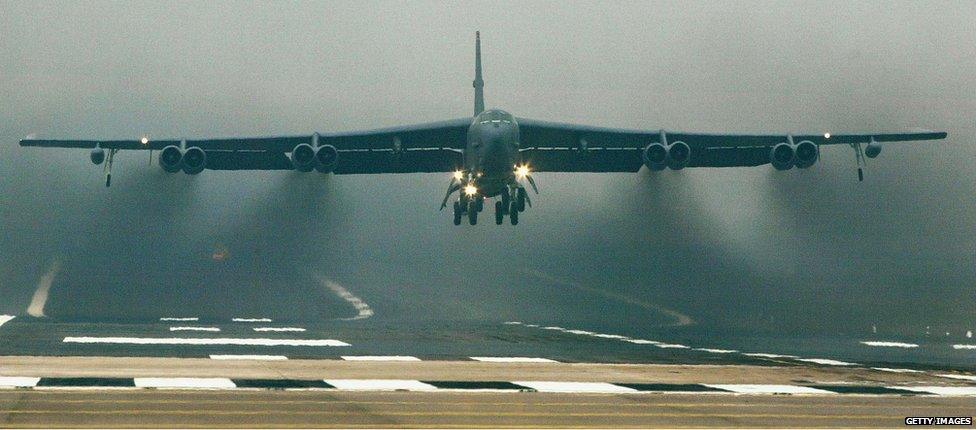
(479, 84)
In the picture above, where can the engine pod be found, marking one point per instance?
(97, 155)
(194, 160)
(303, 157)
(679, 153)
(171, 159)
(806, 154)
(326, 158)
(782, 156)
(655, 156)
(872, 150)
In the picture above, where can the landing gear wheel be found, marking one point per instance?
(520, 199)
(506, 198)
(481, 203)
(499, 213)
(457, 213)
(472, 213)
(513, 215)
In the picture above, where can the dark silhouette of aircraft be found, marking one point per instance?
(491, 155)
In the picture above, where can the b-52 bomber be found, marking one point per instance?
(491, 155)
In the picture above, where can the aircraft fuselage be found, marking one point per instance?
(492, 152)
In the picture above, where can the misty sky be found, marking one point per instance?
(809, 241)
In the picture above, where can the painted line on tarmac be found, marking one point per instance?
(956, 376)
(768, 389)
(827, 362)
(574, 387)
(889, 344)
(193, 328)
(179, 319)
(379, 358)
(204, 341)
(380, 385)
(247, 357)
(39, 300)
(251, 319)
(5, 319)
(514, 359)
(278, 329)
(893, 370)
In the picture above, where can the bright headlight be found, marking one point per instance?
(522, 171)
(470, 190)
(458, 175)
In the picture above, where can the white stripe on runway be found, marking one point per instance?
(888, 369)
(717, 351)
(827, 362)
(941, 390)
(581, 332)
(379, 358)
(514, 359)
(963, 377)
(188, 328)
(609, 336)
(764, 355)
(179, 319)
(768, 389)
(380, 384)
(184, 383)
(642, 341)
(889, 344)
(247, 357)
(278, 329)
(574, 387)
(251, 319)
(205, 341)
(5, 319)
(963, 346)
(672, 345)
(18, 381)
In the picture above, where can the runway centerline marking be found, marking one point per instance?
(283, 329)
(514, 359)
(36, 307)
(768, 389)
(885, 343)
(204, 341)
(179, 319)
(251, 319)
(193, 328)
(363, 310)
(18, 381)
(247, 357)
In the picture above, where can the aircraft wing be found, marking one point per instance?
(430, 147)
(557, 147)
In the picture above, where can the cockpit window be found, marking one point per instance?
(495, 116)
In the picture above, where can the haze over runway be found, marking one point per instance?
(808, 263)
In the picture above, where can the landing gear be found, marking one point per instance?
(520, 199)
(473, 212)
(500, 210)
(480, 202)
(506, 198)
(457, 213)
(513, 215)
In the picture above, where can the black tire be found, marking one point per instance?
(499, 213)
(481, 203)
(513, 215)
(472, 213)
(506, 197)
(457, 213)
(520, 199)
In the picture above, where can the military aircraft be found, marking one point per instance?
(491, 155)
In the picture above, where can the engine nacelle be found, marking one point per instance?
(782, 156)
(303, 157)
(656, 156)
(97, 155)
(171, 159)
(872, 150)
(326, 158)
(194, 160)
(806, 153)
(678, 155)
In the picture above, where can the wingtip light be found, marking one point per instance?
(826, 135)
(144, 140)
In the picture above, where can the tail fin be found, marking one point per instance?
(479, 84)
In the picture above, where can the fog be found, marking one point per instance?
(748, 248)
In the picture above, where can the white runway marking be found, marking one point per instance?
(379, 358)
(205, 341)
(642, 341)
(609, 336)
(581, 332)
(362, 309)
(768, 389)
(191, 328)
(672, 345)
(574, 387)
(764, 355)
(512, 322)
(554, 328)
(514, 359)
(179, 319)
(889, 344)
(717, 351)
(888, 369)
(18, 381)
(184, 383)
(278, 329)
(251, 319)
(963, 346)
(827, 361)
(941, 390)
(36, 307)
(5, 319)
(380, 384)
(248, 357)
(963, 377)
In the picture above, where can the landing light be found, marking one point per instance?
(144, 140)
(470, 190)
(522, 171)
(458, 175)
(826, 135)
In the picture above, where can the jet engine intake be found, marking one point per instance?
(782, 156)
(678, 155)
(194, 160)
(656, 156)
(97, 155)
(806, 153)
(326, 158)
(872, 150)
(303, 157)
(171, 159)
